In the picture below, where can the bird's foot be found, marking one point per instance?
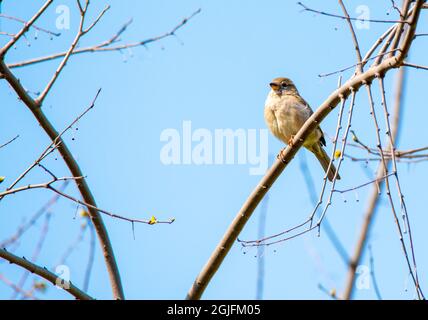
(280, 155)
(291, 141)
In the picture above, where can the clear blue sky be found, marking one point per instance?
(216, 75)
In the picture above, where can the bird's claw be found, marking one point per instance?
(280, 156)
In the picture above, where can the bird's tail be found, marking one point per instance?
(324, 159)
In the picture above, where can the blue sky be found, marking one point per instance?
(215, 73)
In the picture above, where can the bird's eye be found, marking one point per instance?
(284, 85)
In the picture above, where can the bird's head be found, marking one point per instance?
(283, 86)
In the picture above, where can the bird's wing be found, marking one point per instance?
(310, 112)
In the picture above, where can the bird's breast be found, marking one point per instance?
(285, 115)
(271, 118)
(282, 117)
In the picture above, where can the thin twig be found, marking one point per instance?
(362, 63)
(105, 46)
(56, 34)
(81, 32)
(378, 43)
(10, 141)
(27, 26)
(400, 27)
(305, 8)
(45, 185)
(405, 215)
(48, 185)
(377, 180)
(416, 66)
(331, 235)
(373, 275)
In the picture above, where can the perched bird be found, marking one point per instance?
(286, 112)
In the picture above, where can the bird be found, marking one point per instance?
(285, 113)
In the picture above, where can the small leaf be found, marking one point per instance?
(153, 220)
(2, 179)
(337, 154)
(83, 213)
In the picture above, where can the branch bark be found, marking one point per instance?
(43, 272)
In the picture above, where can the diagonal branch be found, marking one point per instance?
(9, 141)
(44, 273)
(27, 26)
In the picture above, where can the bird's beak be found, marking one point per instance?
(274, 86)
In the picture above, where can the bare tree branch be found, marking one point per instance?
(48, 185)
(373, 274)
(54, 144)
(27, 26)
(9, 141)
(56, 34)
(105, 46)
(305, 8)
(416, 66)
(44, 273)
